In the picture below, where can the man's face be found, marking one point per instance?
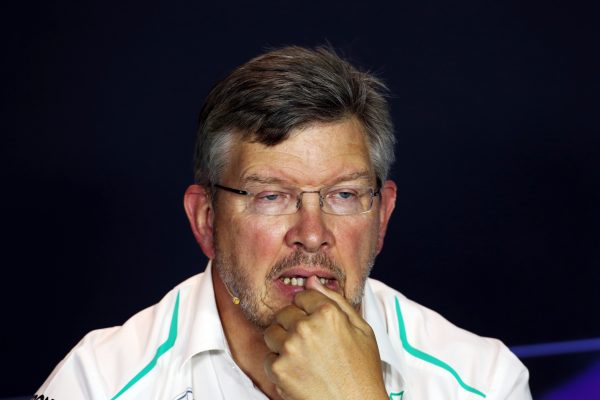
(258, 255)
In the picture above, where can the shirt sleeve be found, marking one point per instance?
(512, 380)
(74, 378)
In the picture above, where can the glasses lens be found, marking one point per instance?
(348, 200)
(272, 202)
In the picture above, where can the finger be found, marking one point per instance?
(314, 284)
(289, 316)
(274, 337)
(310, 301)
(281, 393)
(268, 365)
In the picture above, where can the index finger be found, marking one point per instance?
(311, 300)
(339, 300)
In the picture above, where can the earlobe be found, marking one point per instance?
(388, 202)
(199, 210)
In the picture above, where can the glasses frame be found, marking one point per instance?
(374, 192)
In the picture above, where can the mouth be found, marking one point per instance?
(301, 281)
(294, 280)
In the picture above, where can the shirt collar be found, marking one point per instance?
(375, 318)
(204, 331)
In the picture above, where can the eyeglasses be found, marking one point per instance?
(336, 200)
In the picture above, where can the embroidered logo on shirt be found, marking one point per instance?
(187, 395)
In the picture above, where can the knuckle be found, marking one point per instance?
(303, 328)
(289, 347)
(278, 370)
(328, 310)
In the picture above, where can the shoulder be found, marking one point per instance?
(436, 352)
(105, 359)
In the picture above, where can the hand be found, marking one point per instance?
(322, 349)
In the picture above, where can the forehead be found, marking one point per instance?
(315, 155)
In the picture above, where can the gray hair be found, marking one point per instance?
(286, 89)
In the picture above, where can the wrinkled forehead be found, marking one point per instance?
(314, 155)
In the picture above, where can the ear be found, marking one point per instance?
(388, 202)
(199, 210)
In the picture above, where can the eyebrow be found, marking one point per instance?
(271, 180)
(364, 174)
(267, 180)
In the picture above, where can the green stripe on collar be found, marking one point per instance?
(162, 349)
(429, 358)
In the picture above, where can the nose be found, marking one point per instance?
(309, 230)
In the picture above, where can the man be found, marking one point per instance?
(291, 205)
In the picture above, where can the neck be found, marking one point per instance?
(244, 338)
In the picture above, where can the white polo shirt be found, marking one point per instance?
(177, 350)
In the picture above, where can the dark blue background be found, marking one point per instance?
(496, 112)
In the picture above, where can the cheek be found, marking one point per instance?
(256, 242)
(356, 242)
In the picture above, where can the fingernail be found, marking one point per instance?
(314, 283)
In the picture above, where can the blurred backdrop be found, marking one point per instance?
(495, 105)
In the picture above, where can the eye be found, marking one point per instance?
(272, 197)
(344, 194)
